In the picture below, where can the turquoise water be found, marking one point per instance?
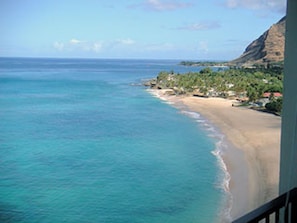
(82, 141)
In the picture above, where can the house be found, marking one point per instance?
(262, 102)
(275, 94)
(266, 98)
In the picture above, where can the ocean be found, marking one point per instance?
(81, 140)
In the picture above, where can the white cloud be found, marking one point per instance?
(231, 3)
(127, 41)
(97, 47)
(59, 46)
(163, 5)
(76, 45)
(75, 41)
(272, 5)
(201, 26)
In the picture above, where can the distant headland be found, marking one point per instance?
(266, 51)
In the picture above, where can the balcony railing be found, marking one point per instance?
(282, 209)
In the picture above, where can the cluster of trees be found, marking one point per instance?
(202, 63)
(252, 82)
(275, 105)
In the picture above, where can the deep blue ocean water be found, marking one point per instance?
(82, 141)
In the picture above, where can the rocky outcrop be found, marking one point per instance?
(268, 48)
(151, 83)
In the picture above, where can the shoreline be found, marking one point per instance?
(253, 141)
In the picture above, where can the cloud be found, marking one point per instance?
(271, 5)
(201, 26)
(76, 45)
(75, 41)
(97, 47)
(59, 46)
(163, 5)
(127, 41)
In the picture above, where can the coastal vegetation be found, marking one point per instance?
(203, 63)
(264, 65)
(259, 87)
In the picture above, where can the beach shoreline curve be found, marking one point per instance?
(252, 157)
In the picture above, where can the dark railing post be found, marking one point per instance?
(294, 211)
(287, 214)
(267, 219)
(277, 216)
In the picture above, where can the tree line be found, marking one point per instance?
(251, 82)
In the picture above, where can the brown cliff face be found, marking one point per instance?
(268, 48)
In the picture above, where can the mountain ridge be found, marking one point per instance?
(266, 49)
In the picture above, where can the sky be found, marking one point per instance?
(134, 29)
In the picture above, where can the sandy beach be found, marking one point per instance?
(253, 160)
